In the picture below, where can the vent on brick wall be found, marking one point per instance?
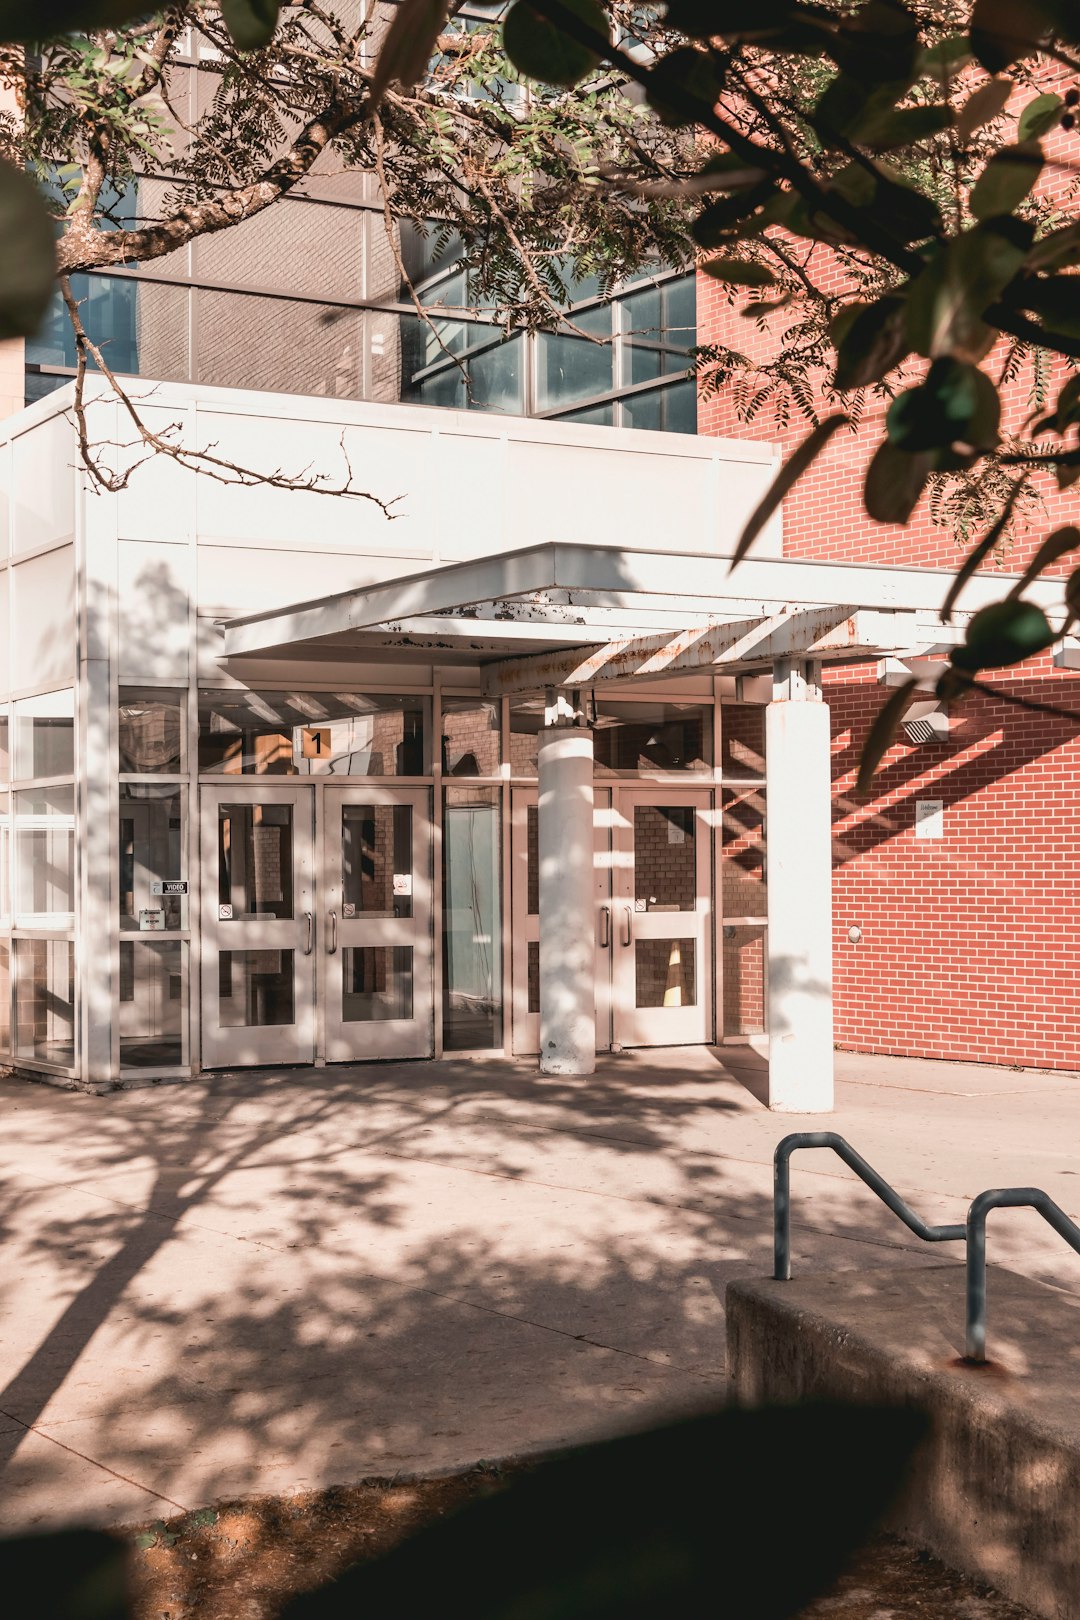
(926, 722)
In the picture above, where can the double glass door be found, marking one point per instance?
(316, 924)
(652, 895)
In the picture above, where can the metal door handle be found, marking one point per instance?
(628, 931)
(333, 933)
(605, 927)
(309, 919)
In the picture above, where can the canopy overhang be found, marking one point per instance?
(577, 615)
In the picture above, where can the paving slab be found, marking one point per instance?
(264, 1280)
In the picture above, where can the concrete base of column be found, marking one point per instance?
(565, 828)
(798, 792)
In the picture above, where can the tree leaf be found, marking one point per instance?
(956, 403)
(1054, 546)
(946, 302)
(870, 341)
(894, 481)
(985, 103)
(1056, 299)
(27, 254)
(408, 46)
(1005, 31)
(903, 126)
(1057, 250)
(978, 554)
(539, 48)
(879, 738)
(22, 23)
(69, 1574)
(1039, 117)
(1006, 180)
(684, 86)
(250, 22)
(1004, 633)
(741, 272)
(789, 475)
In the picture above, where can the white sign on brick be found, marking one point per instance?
(929, 818)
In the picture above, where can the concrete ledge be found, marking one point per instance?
(995, 1490)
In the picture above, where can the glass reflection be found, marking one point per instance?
(472, 931)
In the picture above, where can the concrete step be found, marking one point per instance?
(995, 1489)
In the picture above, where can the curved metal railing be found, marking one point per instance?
(972, 1232)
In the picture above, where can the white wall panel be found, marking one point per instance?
(6, 500)
(159, 500)
(154, 592)
(236, 580)
(43, 620)
(43, 475)
(5, 639)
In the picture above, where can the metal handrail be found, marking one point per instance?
(866, 1172)
(973, 1231)
(1002, 1198)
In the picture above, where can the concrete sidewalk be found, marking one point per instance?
(280, 1280)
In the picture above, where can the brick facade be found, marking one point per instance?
(970, 943)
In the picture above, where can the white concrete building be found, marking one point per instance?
(293, 782)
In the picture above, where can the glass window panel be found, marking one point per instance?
(255, 861)
(643, 410)
(743, 981)
(471, 737)
(644, 367)
(152, 850)
(152, 1003)
(45, 1000)
(496, 377)
(151, 727)
(44, 822)
(377, 983)
(742, 846)
(680, 407)
(376, 860)
(472, 927)
(680, 311)
(5, 996)
(570, 367)
(532, 856)
(312, 734)
(45, 735)
(5, 756)
(641, 314)
(652, 737)
(665, 858)
(533, 975)
(665, 972)
(742, 741)
(599, 415)
(255, 989)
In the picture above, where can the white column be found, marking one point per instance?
(799, 853)
(567, 912)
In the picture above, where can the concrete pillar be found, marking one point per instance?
(567, 911)
(799, 853)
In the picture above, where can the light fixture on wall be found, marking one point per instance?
(926, 722)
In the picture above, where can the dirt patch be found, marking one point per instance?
(244, 1560)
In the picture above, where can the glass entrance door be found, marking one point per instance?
(662, 904)
(258, 926)
(375, 923)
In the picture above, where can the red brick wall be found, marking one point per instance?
(971, 942)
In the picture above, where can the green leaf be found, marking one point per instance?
(539, 48)
(956, 403)
(1054, 546)
(978, 554)
(1006, 180)
(28, 21)
(894, 481)
(869, 340)
(1002, 634)
(942, 60)
(27, 255)
(684, 85)
(881, 734)
(716, 223)
(1006, 31)
(1056, 299)
(785, 480)
(946, 302)
(408, 46)
(740, 272)
(1057, 250)
(903, 126)
(66, 1575)
(1039, 117)
(985, 103)
(250, 22)
(1067, 409)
